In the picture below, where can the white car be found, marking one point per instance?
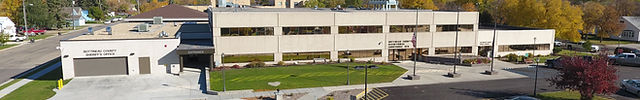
(558, 43)
(17, 38)
(632, 86)
(595, 48)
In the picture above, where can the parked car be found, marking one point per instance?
(595, 48)
(521, 98)
(619, 50)
(17, 38)
(558, 43)
(632, 86)
(629, 59)
(32, 31)
(553, 63)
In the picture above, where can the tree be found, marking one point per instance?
(560, 15)
(314, 3)
(593, 12)
(469, 7)
(626, 7)
(334, 3)
(148, 6)
(610, 24)
(11, 9)
(589, 76)
(354, 3)
(4, 38)
(422, 4)
(96, 13)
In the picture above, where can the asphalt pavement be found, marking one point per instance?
(14, 61)
(496, 88)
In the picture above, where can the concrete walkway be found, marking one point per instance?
(22, 82)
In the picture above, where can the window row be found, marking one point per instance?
(506, 48)
(259, 31)
(451, 50)
(627, 33)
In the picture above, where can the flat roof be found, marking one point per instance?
(127, 31)
(504, 27)
(227, 9)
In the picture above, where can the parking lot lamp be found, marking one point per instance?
(455, 47)
(224, 83)
(348, 75)
(535, 82)
(619, 36)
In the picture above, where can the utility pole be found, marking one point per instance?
(24, 13)
(535, 83)
(73, 19)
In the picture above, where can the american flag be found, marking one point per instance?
(413, 39)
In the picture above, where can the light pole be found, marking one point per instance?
(455, 47)
(365, 80)
(535, 82)
(224, 83)
(493, 44)
(619, 36)
(73, 19)
(415, 41)
(348, 75)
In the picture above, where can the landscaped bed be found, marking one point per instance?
(302, 76)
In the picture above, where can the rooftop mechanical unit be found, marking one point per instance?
(157, 20)
(143, 27)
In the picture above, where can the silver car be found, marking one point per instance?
(632, 86)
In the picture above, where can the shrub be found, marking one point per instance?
(256, 64)
(512, 57)
(556, 50)
(587, 46)
(529, 55)
(370, 61)
(352, 59)
(236, 66)
(280, 63)
(384, 63)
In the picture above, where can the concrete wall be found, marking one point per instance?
(518, 37)
(159, 51)
(335, 42)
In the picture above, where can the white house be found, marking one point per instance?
(632, 29)
(74, 16)
(7, 26)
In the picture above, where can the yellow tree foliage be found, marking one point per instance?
(469, 7)
(610, 23)
(148, 6)
(593, 12)
(422, 4)
(560, 15)
(11, 9)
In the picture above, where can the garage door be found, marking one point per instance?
(100, 66)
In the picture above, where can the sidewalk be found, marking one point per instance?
(22, 82)
(430, 74)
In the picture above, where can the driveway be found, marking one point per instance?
(138, 87)
(14, 61)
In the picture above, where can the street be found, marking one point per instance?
(17, 60)
(496, 88)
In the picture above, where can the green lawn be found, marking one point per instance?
(39, 89)
(573, 53)
(301, 76)
(564, 95)
(544, 59)
(606, 41)
(38, 37)
(4, 46)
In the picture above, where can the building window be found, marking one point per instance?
(449, 28)
(451, 50)
(306, 30)
(360, 53)
(406, 54)
(240, 58)
(507, 48)
(627, 33)
(359, 29)
(305, 55)
(246, 31)
(408, 28)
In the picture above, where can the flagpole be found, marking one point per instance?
(415, 40)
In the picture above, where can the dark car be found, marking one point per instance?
(555, 63)
(620, 50)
